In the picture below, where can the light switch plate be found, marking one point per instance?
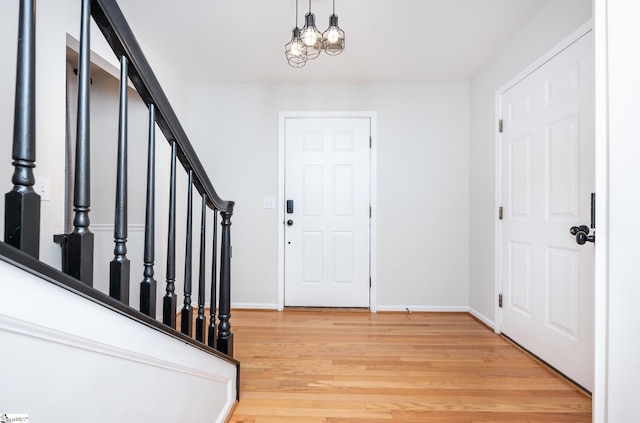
(269, 202)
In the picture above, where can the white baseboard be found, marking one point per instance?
(412, 308)
(255, 306)
(484, 319)
(382, 308)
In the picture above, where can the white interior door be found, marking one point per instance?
(327, 229)
(548, 177)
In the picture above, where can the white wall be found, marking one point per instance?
(557, 20)
(422, 181)
(617, 278)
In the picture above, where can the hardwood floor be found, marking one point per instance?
(331, 366)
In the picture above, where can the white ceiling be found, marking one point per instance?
(232, 41)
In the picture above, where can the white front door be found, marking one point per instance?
(547, 181)
(327, 214)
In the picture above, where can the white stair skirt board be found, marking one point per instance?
(68, 358)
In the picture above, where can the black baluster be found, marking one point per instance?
(148, 286)
(169, 302)
(78, 247)
(186, 325)
(22, 204)
(225, 336)
(120, 266)
(212, 337)
(201, 319)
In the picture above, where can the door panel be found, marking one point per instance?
(327, 244)
(520, 277)
(548, 178)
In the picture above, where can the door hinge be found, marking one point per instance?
(369, 281)
(500, 300)
(500, 213)
(500, 126)
(370, 141)
(370, 212)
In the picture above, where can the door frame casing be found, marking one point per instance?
(550, 54)
(372, 116)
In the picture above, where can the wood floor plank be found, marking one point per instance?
(337, 366)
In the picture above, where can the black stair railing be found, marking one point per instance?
(77, 247)
(119, 269)
(118, 34)
(187, 309)
(22, 208)
(149, 286)
(201, 319)
(22, 204)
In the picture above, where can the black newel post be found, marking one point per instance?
(186, 321)
(201, 319)
(225, 337)
(120, 266)
(22, 204)
(169, 301)
(148, 286)
(77, 251)
(212, 336)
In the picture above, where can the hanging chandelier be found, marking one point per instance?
(308, 42)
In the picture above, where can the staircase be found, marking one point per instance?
(71, 352)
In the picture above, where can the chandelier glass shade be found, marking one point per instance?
(308, 42)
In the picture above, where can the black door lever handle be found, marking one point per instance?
(582, 234)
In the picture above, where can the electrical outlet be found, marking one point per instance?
(42, 187)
